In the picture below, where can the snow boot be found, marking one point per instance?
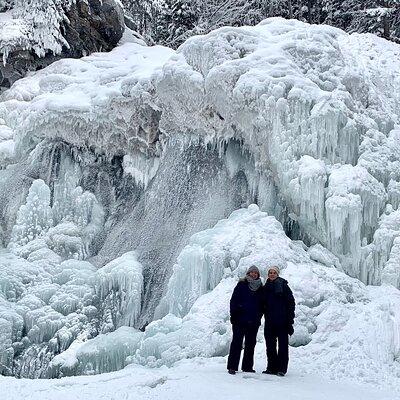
(269, 372)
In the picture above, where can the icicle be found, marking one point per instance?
(120, 287)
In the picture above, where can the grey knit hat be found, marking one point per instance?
(253, 268)
(275, 268)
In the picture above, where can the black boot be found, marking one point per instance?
(269, 372)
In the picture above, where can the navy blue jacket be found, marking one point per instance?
(246, 305)
(279, 304)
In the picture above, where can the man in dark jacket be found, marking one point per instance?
(246, 313)
(279, 305)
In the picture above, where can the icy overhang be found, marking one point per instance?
(300, 99)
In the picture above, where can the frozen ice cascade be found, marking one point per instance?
(136, 186)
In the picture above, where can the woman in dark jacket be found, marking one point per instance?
(279, 308)
(246, 313)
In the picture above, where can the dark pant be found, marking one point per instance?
(277, 360)
(249, 334)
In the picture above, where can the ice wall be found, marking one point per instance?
(233, 244)
(67, 228)
(104, 353)
(317, 120)
(120, 287)
(191, 191)
(295, 98)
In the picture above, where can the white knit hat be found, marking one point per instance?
(275, 268)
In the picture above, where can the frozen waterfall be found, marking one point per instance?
(137, 185)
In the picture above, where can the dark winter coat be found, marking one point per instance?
(278, 304)
(246, 305)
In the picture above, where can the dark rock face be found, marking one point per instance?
(94, 25)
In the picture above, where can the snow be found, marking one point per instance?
(33, 25)
(193, 379)
(86, 86)
(130, 36)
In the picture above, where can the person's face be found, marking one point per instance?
(253, 274)
(272, 274)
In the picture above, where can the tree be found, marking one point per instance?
(170, 22)
(6, 5)
(143, 15)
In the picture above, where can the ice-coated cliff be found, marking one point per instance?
(120, 170)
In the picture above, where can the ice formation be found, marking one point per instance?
(125, 184)
(310, 122)
(333, 310)
(119, 287)
(232, 244)
(104, 353)
(67, 228)
(46, 304)
(306, 122)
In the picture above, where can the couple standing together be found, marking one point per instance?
(250, 301)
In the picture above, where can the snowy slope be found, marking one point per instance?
(126, 200)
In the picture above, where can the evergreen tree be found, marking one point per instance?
(143, 16)
(176, 21)
(6, 5)
(172, 21)
(45, 18)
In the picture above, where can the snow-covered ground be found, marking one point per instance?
(197, 379)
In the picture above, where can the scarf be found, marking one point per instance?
(275, 286)
(254, 284)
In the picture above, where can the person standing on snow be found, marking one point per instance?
(279, 305)
(246, 313)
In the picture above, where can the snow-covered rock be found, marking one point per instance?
(35, 33)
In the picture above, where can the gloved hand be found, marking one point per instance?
(290, 330)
